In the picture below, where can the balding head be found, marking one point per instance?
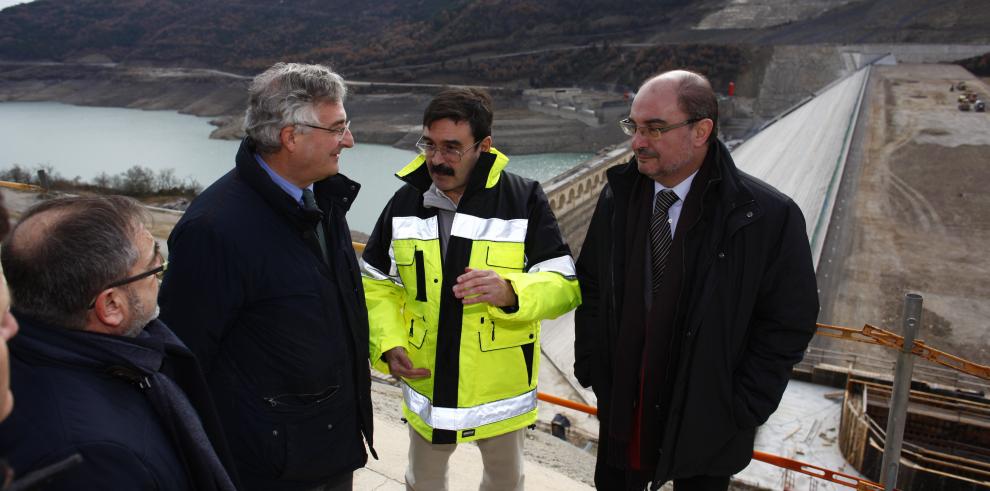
(695, 96)
(64, 251)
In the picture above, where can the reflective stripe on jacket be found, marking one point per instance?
(483, 360)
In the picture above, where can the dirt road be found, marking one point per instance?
(916, 220)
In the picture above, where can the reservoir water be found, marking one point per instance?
(87, 141)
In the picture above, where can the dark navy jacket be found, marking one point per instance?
(282, 336)
(70, 398)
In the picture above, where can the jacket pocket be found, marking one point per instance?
(412, 268)
(506, 256)
(497, 335)
(404, 254)
(293, 403)
(320, 436)
(508, 361)
(417, 332)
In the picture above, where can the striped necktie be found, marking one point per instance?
(660, 234)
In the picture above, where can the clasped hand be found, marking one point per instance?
(484, 285)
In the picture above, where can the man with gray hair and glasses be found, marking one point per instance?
(96, 373)
(264, 286)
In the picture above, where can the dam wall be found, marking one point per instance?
(573, 194)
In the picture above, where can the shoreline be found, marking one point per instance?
(382, 114)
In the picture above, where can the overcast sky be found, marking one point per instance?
(7, 3)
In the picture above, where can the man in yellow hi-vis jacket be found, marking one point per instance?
(464, 262)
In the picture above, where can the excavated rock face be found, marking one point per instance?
(761, 14)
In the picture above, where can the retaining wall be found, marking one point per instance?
(573, 194)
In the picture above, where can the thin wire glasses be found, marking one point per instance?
(340, 131)
(448, 153)
(630, 128)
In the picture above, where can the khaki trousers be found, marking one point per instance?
(501, 455)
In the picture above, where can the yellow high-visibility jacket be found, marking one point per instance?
(483, 360)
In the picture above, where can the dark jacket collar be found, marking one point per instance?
(336, 189)
(58, 345)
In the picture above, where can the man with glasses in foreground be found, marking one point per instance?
(264, 286)
(699, 296)
(464, 262)
(96, 374)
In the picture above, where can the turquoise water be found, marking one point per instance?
(87, 141)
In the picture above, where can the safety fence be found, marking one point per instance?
(875, 335)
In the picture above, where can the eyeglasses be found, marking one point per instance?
(159, 273)
(448, 153)
(652, 132)
(339, 131)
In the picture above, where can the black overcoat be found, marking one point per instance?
(746, 313)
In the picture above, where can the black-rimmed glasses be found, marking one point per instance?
(340, 131)
(630, 128)
(159, 272)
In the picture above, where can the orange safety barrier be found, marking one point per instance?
(815, 471)
(566, 403)
(875, 335)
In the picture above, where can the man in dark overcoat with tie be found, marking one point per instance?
(699, 296)
(264, 287)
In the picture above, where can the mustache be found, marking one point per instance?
(646, 153)
(440, 169)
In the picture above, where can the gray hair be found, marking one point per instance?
(287, 94)
(65, 251)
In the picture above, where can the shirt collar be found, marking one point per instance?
(435, 198)
(681, 190)
(291, 189)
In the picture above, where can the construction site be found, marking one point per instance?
(890, 172)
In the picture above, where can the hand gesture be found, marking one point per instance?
(400, 365)
(486, 286)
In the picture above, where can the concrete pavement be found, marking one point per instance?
(392, 443)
